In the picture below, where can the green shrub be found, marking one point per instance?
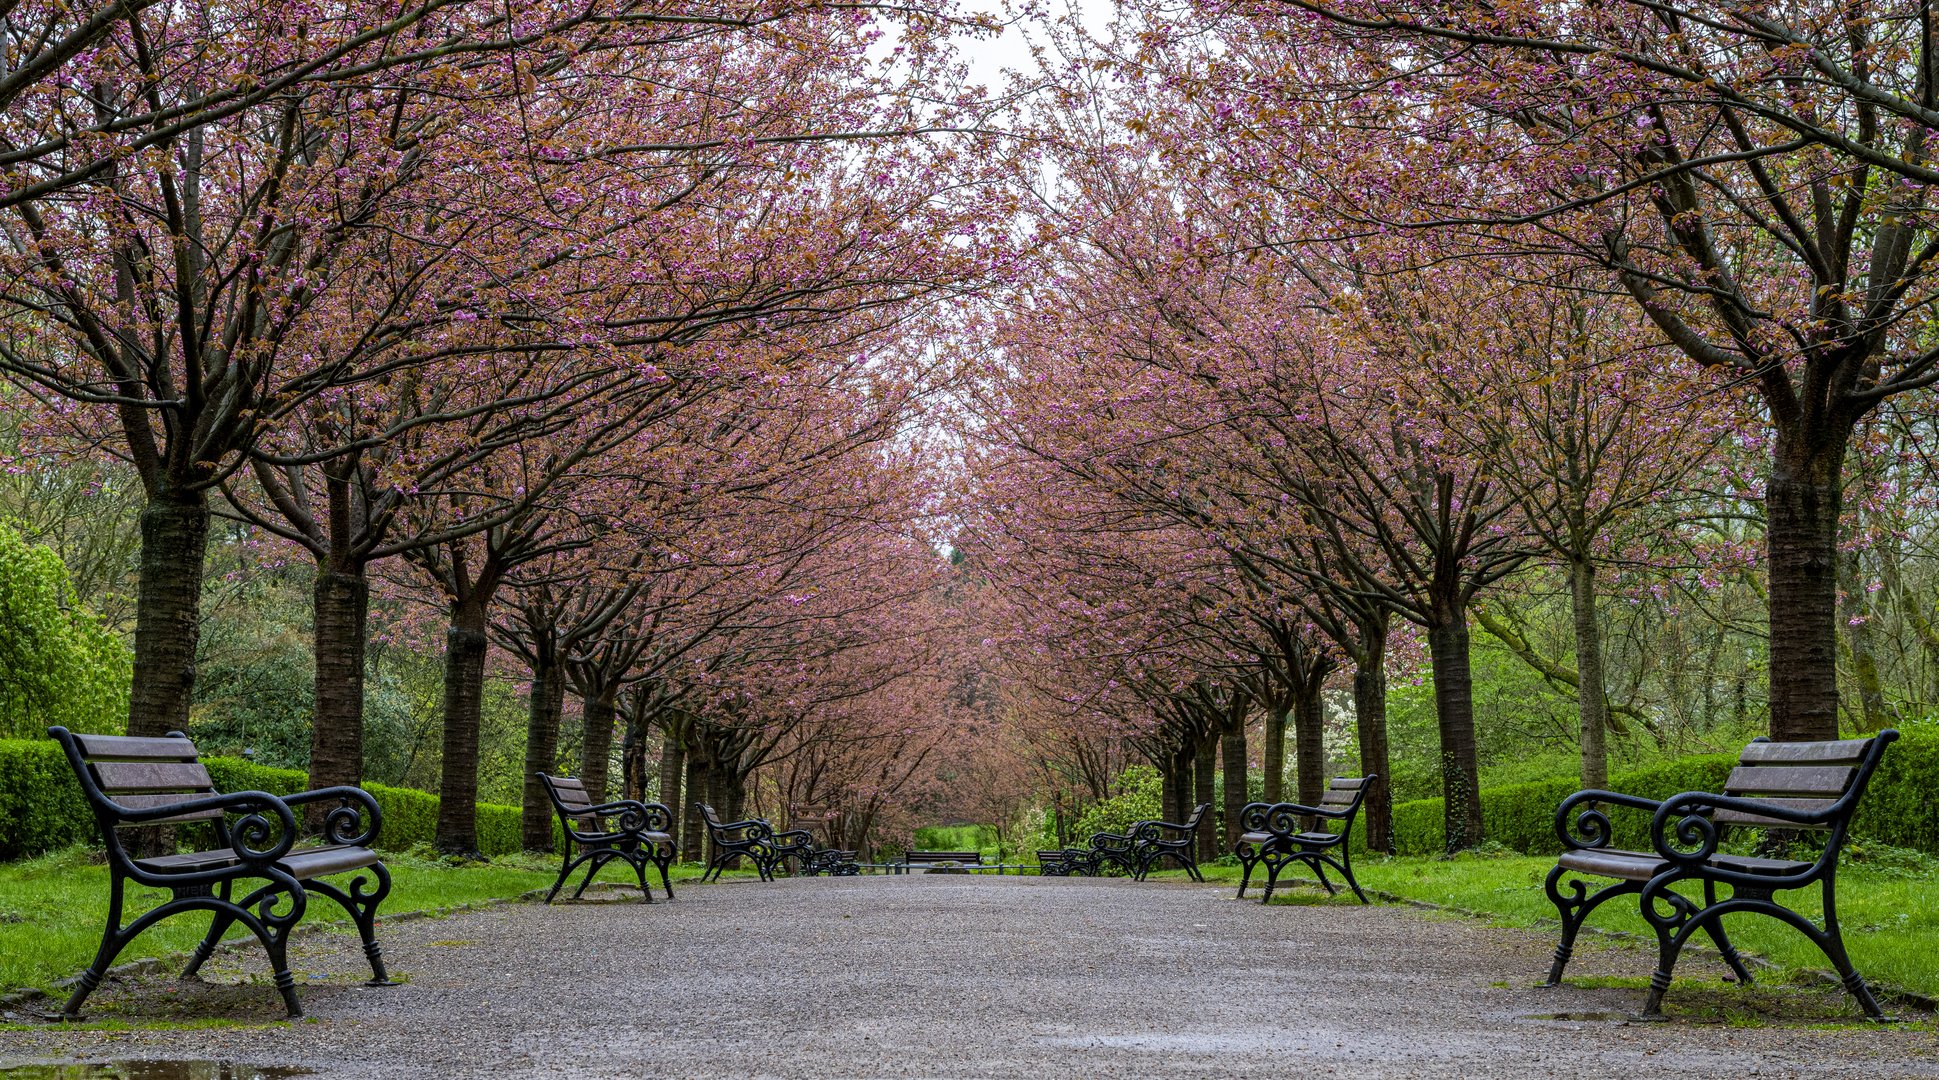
(1139, 798)
(1898, 810)
(59, 663)
(41, 808)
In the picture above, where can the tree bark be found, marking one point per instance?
(1454, 709)
(599, 713)
(464, 687)
(168, 613)
(1802, 502)
(1274, 764)
(340, 604)
(1204, 771)
(1873, 713)
(672, 766)
(1309, 739)
(542, 750)
(1370, 724)
(1168, 785)
(1233, 745)
(697, 792)
(1591, 690)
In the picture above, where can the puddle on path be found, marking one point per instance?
(152, 1070)
(1615, 1017)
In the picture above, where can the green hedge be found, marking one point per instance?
(1898, 809)
(41, 808)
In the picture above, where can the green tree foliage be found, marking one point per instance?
(1137, 799)
(59, 662)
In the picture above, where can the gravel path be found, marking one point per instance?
(954, 976)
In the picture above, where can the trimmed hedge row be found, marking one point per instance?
(1898, 809)
(41, 807)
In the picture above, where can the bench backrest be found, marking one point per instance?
(944, 856)
(1198, 815)
(120, 772)
(1344, 794)
(570, 799)
(1807, 776)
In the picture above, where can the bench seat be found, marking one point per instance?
(1642, 866)
(301, 863)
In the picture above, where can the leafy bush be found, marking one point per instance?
(59, 664)
(1139, 798)
(41, 807)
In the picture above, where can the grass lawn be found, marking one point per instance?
(53, 908)
(1890, 917)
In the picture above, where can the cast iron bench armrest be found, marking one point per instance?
(339, 821)
(253, 828)
(1149, 831)
(1286, 811)
(634, 816)
(1252, 818)
(1684, 820)
(756, 829)
(1592, 828)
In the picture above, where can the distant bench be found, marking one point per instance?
(926, 859)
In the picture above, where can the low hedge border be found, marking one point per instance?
(42, 809)
(1898, 809)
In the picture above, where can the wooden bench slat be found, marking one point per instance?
(137, 747)
(1739, 817)
(1788, 780)
(1348, 783)
(150, 802)
(1338, 798)
(118, 776)
(1840, 752)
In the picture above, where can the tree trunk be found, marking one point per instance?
(599, 713)
(1275, 754)
(1309, 739)
(673, 761)
(542, 751)
(1370, 724)
(464, 688)
(1233, 745)
(1873, 713)
(697, 784)
(1802, 503)
(1454, 708)
(1591, 693)
(340, 605)
(168, 613)
(1204, 771)
(1168, 784)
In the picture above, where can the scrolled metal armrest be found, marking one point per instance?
(1253, 817)
(755, 829)
(794, 838)
(345, 815)
(248, 832)
(1113, 841)
(1591, 828)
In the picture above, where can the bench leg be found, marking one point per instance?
(1246, 878)
(112, 942)
(361, 905)
(1715, 928)
(218, 926)
(1673, 928)
(662, 860)
(1574, 909)
(1831, 941)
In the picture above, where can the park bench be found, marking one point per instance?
(834, 862)
(925, 859)
(1775, 786)
(1053, 864)
(1155, 840)
(135, 783)
(753, 838)
(633, 832)
(1280, 834)
(1114, 849)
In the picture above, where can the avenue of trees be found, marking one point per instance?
(729, 403)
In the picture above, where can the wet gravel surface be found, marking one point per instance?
(956, 976)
